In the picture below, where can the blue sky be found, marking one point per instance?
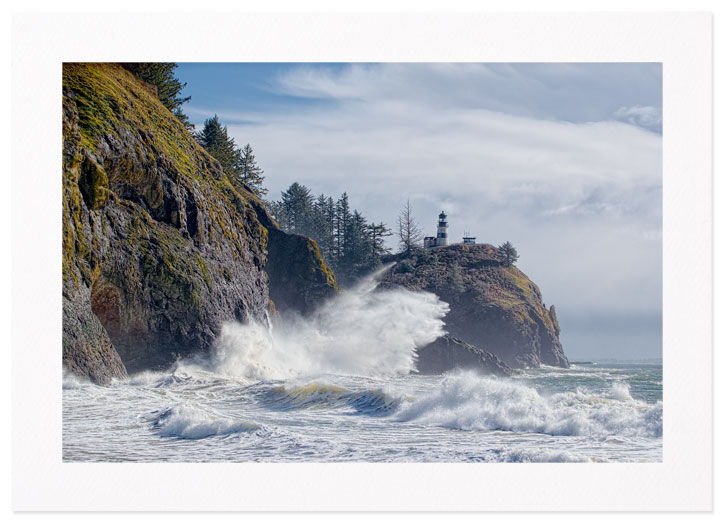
(563, 160)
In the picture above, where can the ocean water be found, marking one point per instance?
(340, 386)
(588, 413)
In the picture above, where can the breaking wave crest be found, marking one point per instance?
(372, 402)
(467, 401)
(361, 332)
(189, 422)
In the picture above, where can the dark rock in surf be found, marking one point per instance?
(448, 353)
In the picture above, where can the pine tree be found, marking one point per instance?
(356, 259)
(378, 232)
(168, 87)
(508, 253)
(275, 210)
(330, 214)
(215, 139)
(296, 207)
(322, 227)
(342, 220)
(249, 172)
(409, 233)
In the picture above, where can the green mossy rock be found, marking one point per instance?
(93, 183)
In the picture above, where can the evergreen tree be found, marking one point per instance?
(508, 253)
(378, 232)
(409, 233)
(296, 207)
(322, 227)
(168, 87)
(249, 172)
(356, 258)
(215, 139)
(239, 164)
(342, 221)
(275, 210)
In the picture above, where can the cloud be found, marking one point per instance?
(645, 116)
(553, 91)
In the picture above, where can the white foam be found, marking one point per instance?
(359, 332)
(189, 422)
(470, 402)
(620, 391)
(72, 381)
(534, 455)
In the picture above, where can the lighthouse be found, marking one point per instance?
(442, 235)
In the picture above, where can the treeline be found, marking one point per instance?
(348, 243)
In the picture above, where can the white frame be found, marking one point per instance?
(682, 42)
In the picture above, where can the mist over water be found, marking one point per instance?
(337, 386)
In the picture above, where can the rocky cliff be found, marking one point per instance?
(494, 307)
(159, 247)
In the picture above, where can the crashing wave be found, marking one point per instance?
(361, 332)
(467, 401)
(189, 422)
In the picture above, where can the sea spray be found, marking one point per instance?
(362, 331)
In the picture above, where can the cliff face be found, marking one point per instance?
(493, 307)
(159, 247)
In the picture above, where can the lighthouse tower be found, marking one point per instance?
(442, 236)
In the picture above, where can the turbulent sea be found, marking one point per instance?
(338, 387)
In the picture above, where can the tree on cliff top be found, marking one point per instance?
(249, 172)
(508, 253)
(215, 139)
(294, 210)
(409, 233)
(168, 87)
(238, 164)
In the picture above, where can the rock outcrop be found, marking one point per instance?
(159, 246)
(448, 353)
(494, 307)
(299, 279)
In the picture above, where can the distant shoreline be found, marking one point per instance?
(610, 361)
